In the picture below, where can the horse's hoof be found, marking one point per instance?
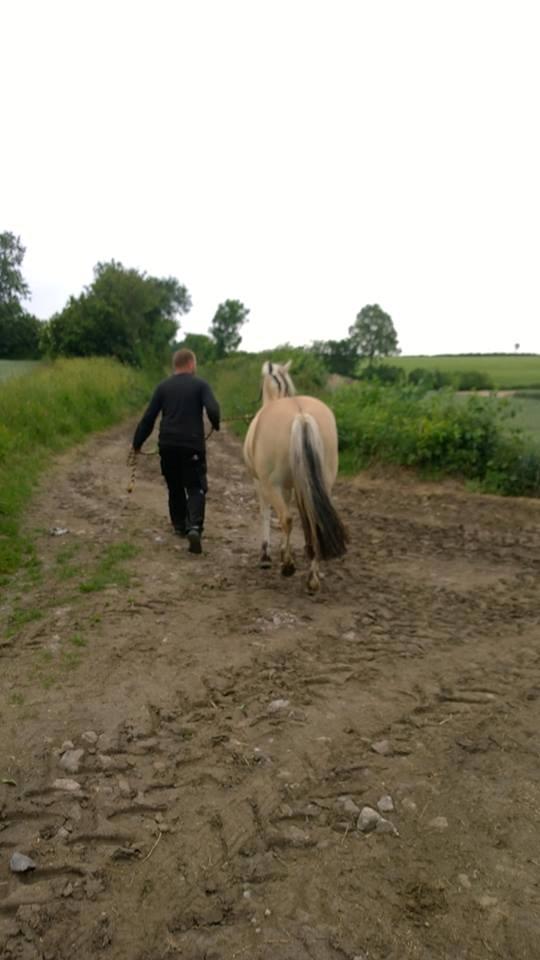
(288, 569)
(265, 563)
(314, 584)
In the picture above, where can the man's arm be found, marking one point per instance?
(148, 420)
(211, 406)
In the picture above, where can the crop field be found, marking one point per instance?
(508, 372)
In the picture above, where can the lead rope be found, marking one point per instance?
(132, 464)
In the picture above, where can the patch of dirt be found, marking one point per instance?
(232, 726)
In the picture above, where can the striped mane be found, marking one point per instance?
(277, 382)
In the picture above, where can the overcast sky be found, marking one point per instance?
(307, 157)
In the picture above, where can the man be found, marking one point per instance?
(181, 400)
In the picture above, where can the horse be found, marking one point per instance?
(292, 446)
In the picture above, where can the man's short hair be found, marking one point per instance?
(182, 358)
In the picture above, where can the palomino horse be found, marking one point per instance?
(292, 445)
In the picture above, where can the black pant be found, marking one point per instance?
(185, 474)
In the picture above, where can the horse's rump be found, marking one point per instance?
(267, 444)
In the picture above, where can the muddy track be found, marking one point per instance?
(232, 725)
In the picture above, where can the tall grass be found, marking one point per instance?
(44, 412)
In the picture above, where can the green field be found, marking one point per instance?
(13, 368)
(509, 372)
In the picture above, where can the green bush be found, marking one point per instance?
(435, 379)
(383, 373)
(514, 472)
(429, 379)
(472, 380)
(527, 395)
(338, 356)
(203, 347)
(44, 412)
(471, 438)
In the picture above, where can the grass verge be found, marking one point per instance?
(42, 414)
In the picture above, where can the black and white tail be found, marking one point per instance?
(325, 535)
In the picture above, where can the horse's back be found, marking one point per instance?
(286, 409)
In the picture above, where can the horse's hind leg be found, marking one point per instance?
(314, 582)
(287, 558)
(265, 559)
(279, 501)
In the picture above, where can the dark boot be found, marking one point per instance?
(194, 538)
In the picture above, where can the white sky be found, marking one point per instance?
(305, 156)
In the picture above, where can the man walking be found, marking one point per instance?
(181, 400)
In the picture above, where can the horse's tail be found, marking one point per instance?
(324, 532)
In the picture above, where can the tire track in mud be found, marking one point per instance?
(235, 720)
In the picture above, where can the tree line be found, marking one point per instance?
(128, 314)
(124, 313)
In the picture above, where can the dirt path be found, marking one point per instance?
(216, 815)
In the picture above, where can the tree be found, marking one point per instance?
(12, 283)
(225, 327)
(19, 333)
(19, 330)
(374, 334)
(338, 356)
(203, 347)
(124, 313)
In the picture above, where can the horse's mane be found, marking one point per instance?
(280, 374)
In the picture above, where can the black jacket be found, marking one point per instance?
(181, 400)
